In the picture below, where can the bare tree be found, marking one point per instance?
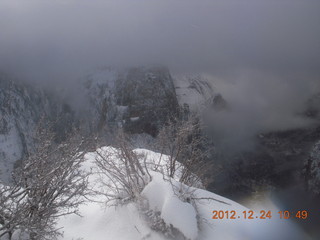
(122, 171)
(183, 157)
(125, 174)
(48, 184)
(11, 210)
(188, 150)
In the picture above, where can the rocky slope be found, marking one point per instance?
(21, 108)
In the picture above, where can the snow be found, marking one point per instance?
(99, 221)
(134, 119)
(161, 197)
(125, 222)
(181, 215)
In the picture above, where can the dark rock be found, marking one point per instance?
(138, 99)
(150, 97)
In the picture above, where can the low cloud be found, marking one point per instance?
(260, 102)
(263, 56)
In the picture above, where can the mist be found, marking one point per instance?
(263, 56)
(258, 103)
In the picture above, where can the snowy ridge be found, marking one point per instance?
(123, 222)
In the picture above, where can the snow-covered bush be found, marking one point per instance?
(46, 185)
(122, 174)
(188, 151)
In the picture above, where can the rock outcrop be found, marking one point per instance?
(138, 99)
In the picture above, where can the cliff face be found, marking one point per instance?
(138, 99)
(21, 108)
(150, 98)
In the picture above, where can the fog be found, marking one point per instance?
(263, 56)
(258, 103)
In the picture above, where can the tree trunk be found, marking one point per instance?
(10, 235)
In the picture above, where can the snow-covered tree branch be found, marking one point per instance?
(47, 184)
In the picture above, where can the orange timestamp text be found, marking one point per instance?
(250, 214)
